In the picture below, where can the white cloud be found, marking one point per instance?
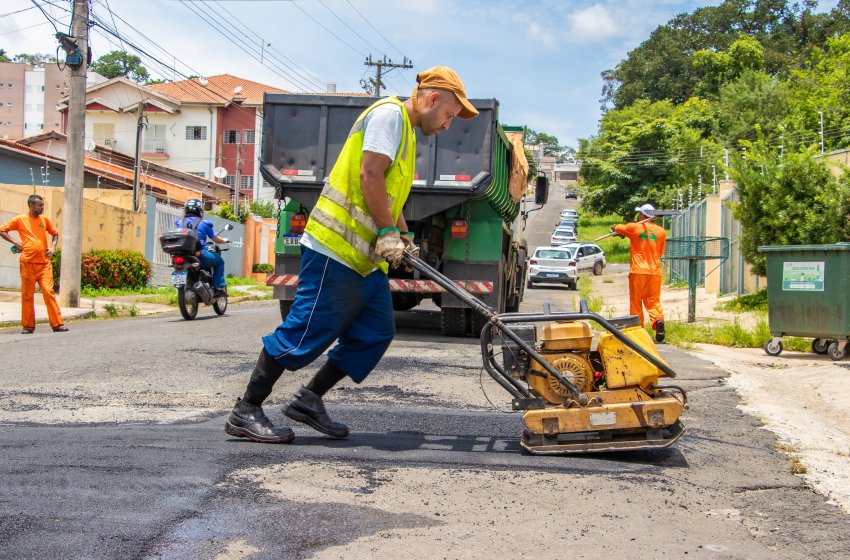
(593, 23)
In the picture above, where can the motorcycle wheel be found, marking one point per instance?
(220, 305)
(188, 305)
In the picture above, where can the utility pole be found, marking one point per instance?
(376, 84)
(238, 173)
(69, 280)
(141, 124)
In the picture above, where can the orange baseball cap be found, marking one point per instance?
(443, 77)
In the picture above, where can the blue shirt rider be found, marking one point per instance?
(194, 210)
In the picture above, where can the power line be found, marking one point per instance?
(50, 19)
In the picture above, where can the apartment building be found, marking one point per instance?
(29, 95)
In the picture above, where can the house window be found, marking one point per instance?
(230, 181)
(231, 136)
(196, 133)
(155, 142)
(248, 136)
(246, 182)
(104, 133)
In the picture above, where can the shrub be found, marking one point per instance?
(263, 268)
(109, 269)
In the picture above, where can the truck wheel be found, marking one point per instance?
(821, 346)
(405, 301)
(772, 349)
(835, 353)
(597, 268)
(285, 306)
(477, 324)
(453, 321)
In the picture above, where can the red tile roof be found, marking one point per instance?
(218, 90)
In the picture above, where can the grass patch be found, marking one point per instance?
(161, 299)
(112, 292)
(735, 335)
(747, 302)
(590, 227)
(594, 303)
(239, 281)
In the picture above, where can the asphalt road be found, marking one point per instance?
(112, 447)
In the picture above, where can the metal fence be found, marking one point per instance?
(691, 223)
(732, 270)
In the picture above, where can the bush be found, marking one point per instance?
(263, 268)
(109, 269)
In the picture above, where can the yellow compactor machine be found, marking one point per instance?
(575, 399)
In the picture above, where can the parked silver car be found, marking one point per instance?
(562, 236)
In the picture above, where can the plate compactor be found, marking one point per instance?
(576, 400)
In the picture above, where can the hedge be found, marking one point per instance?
(109, 269)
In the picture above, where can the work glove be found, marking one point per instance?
(412, 249)
(390, 246)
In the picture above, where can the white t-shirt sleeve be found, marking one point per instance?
(382, 130)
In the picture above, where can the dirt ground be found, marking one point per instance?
(803, 398)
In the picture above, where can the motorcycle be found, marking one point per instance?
(194, 281)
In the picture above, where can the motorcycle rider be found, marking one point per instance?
(194, 210)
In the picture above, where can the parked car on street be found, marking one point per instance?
(588, 256)
(570, 194)
(562, 236)
(552, 264)
(569, 213)
(570, 223)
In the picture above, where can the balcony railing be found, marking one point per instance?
(154, 146)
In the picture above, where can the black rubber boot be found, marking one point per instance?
(307, 408)
(249, 421)
(659, 331)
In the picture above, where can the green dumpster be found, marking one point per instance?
(808, 294)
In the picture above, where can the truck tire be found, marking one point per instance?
(477, 323)
(453, 321)
(285, 306)
(405, 301)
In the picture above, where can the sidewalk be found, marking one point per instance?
(10, 306)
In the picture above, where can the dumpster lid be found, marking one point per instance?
(843, 246)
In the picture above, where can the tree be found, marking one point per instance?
(662, 66)
(3, 57)
(785, 199)
(37, 59)
(120, 63)
(646, 152)
(720, 67)
(550, 145)
(753, 105)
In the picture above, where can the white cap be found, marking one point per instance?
(646, 209)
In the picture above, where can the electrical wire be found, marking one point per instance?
(37, 5)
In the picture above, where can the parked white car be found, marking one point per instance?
(569, 213)
(562, 236)
(552, 264)
(588, 256)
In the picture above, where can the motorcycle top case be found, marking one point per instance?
(181, 240)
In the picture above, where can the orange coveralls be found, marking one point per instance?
(647, 245)
(35, 267)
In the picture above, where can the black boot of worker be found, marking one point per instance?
(659, 331)
(249, 421)
(307, 407)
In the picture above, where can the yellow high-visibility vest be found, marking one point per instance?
(340, 219)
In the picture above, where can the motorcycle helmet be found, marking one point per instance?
(194, 206)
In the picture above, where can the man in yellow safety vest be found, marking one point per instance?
(355, 231)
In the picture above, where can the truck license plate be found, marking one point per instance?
(178, 278)
(291, 240)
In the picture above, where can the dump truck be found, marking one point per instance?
(466, 205)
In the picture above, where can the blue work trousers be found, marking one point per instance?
(335, 303)
(213, 260)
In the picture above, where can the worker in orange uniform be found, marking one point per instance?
(33, 228)
(647, 242)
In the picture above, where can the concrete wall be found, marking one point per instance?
(259, 242)
(104, 226)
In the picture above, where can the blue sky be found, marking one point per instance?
(541, 59)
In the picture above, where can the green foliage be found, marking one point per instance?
(261, 268)
(720, 67)
(226, 211)
(790, 200)
(111, 309)
(3, 56)
(752, 106)
(591, 227)
(662, 67)
(102, 269)
(121, 63)
(263, 208)
(747, 302)
(36, 59)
